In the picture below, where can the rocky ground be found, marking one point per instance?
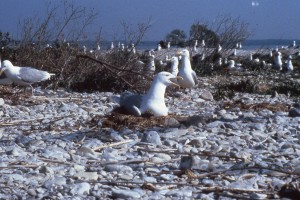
(231, 142)
(67, 145)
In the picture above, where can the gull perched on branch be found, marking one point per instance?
(24, 76)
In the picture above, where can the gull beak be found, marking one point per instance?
(1, 72)
(174, 80)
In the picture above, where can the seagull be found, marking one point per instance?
(219, 62)
(185, 71)
(24, 75)
(153, 102)
(234, 52)
(202, 44)
(289, 64)
(150, 64)
(158, 47)
(240, 45)
(271, 53)
(4, 80)
(195, 45)
(112, 46)
(231, 64)
(174, 65)
(277, 61)
(122, 47)
(84, 49)
(169, 45)
(251, 57)
(219, 49)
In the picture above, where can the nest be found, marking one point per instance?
(118, 121)
(258, 106)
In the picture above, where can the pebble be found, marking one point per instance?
(151, 137)
(118, 168)
(1, 102)
(125, 194)
(294, 112)
(80, 189)
(47, 147)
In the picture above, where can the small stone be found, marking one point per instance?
(125, 194)
(151, 137)
(206, 95)
(126, 176)
(258, 196)
(197, 142)
(189, 162)
(167, 177)
(118, 168)
(87, 175)
(196, 120)
(88, 152)
(149, 179)
(171, 122)
(294, 112)
(1, 102)
(56, 180)
(81, 189)
(180, 193)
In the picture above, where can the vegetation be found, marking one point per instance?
(201, 32)
(4, 39)
(118, 70)
(59, 50)
(177, 37)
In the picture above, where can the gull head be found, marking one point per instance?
(5, 65)
(167, 78)
(174, 59)
(183, 53)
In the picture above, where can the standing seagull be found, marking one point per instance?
(154, 101)
(277, 61)
(4, 80)
(150, 64)
(185, 71)
(203, 43)
(174, 65)
(23, 75)
(289, 64)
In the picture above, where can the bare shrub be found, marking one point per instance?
(230, 31)
(135, 34)
(113, 70)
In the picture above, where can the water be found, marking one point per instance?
(248, 44)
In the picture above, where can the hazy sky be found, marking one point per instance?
(267, 19)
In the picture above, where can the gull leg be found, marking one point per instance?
(31, 90)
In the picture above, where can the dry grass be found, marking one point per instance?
(119, 121)
(258, 106)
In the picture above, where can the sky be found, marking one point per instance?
(266, 19)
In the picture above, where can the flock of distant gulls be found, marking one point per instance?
(153, 102)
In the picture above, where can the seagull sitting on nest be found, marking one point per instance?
(23, 75)
(154, 101)
(185, 71)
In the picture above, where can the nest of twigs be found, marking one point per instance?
(257, 106)
(118, 121)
